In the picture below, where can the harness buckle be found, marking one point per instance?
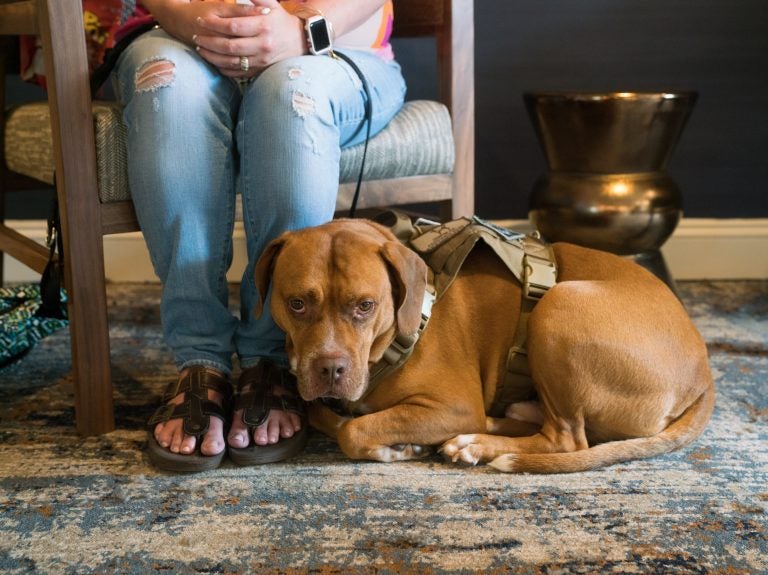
(539, 275)
(402, 346)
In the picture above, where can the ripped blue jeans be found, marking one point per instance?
(195, 138)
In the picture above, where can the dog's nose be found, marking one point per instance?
(331, 369)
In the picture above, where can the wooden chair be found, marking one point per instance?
(82, 139)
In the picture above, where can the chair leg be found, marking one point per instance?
(94, 408)
(89, 328)
(77, 191)
(446, 211)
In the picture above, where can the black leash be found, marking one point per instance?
(368, 121)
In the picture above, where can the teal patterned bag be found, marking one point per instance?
(21, 324)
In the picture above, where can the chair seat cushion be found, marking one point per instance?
(418, 141)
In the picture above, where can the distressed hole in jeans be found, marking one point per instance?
(294, 73)
(303, 105)
(155, 74)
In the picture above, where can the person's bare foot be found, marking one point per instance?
(171, 436)
(278, 425)
(267, 395)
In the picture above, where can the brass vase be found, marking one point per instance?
(606, 186)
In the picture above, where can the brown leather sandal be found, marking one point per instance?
(257, 394)
(196, 411)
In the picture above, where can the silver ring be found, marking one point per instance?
(244, 64)
(265, 10)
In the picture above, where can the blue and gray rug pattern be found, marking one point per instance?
(74, 505)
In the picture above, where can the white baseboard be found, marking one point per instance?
(699, 249)
(709, 248)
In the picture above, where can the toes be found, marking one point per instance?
(268, 432)
(290, 424)
(261, 435)
(186, 445)
(273, 430)
(163, 436)
(171, 436)
(279, 425)
(213, 441)
(238, 432)
(238, 439)
(181, 443)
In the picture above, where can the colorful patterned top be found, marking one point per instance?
(106, 21)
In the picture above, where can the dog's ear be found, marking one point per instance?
(410, 275)
(263, 272)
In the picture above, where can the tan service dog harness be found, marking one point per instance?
(444, 247)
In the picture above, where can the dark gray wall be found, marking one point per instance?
(716, 47)
(26, 204)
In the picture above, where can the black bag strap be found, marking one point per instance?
(52, 279)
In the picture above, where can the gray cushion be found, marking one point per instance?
(418, 141)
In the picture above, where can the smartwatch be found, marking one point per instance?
(318, 35)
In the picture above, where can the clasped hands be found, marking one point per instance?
(241, 40)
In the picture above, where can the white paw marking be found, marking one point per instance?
(462, 449)
(400, 452)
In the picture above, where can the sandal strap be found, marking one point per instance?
(196, 409)
(198, 380)
(256, 393)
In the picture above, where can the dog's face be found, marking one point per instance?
(341, 292)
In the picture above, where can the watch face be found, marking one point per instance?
(320, 39)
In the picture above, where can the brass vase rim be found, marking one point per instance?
(595, 95)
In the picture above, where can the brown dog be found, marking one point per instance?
(619, 370)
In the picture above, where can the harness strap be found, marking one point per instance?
(540, 274)
(401, 348)
(445, 247)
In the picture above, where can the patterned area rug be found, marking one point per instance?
(74, 505)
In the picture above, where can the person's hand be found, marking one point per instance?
(180, 19)
(242, 40)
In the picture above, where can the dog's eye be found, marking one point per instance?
(366, 306)
(297, 305)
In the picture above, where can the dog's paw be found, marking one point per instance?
(400, 452)
(463, 449)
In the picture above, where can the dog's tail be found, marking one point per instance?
(680, 432)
